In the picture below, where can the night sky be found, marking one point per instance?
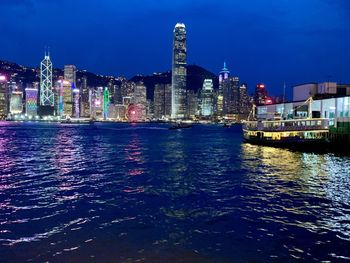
(273, 41)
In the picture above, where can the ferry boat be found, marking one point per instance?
(292, 133)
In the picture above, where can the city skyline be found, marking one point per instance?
(273, 43)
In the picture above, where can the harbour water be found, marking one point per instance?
(144, 193)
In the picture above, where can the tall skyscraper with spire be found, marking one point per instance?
(223, 80)
(179, 73)
(46, 89)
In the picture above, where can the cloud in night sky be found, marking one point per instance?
(261, 41)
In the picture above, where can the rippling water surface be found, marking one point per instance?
(143, 193)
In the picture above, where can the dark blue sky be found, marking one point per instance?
(273, 41)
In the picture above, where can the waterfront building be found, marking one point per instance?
(327, 100)
(319, 108)
(320, 90)
(46, 87)
(179, 73)
(31, 98)
(3, 97)
(207, 98)
(162, 101)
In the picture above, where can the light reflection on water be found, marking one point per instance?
(114, 192)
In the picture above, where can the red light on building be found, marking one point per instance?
(268, 101)
(261, 86)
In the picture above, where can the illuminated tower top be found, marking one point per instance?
(46, 90)
(224, 74)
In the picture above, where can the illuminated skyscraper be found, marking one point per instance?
(76, 101)
(96, 99)
(16, 97)
(31, 101)
(223, 75)
(231, 96)
(244, 100)
(46, 89)
(70, 73)
(3, 97)
(127, 88)
(140, 98)
(106, 103)
(223, 78)
(207, 98)
(179, 73)
(59, 96)
(68, 84)
(84, 98)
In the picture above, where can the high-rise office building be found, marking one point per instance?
(84, 98)
(46, 88)
(70, 73)
(223, 78)
(31, 101)
(106, 103)
(118, 97)
(127, 88)
(76, 101)
(16, 99)
(68, 84)
(140, 98)
(162, 101)
(244, 100)
(3, 97)
(231, 96)
(96, 99)
(223, 75)
(179, 73)
(207, 98)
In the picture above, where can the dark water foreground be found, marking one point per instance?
(121, 193)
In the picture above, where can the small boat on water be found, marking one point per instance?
(179, 126)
